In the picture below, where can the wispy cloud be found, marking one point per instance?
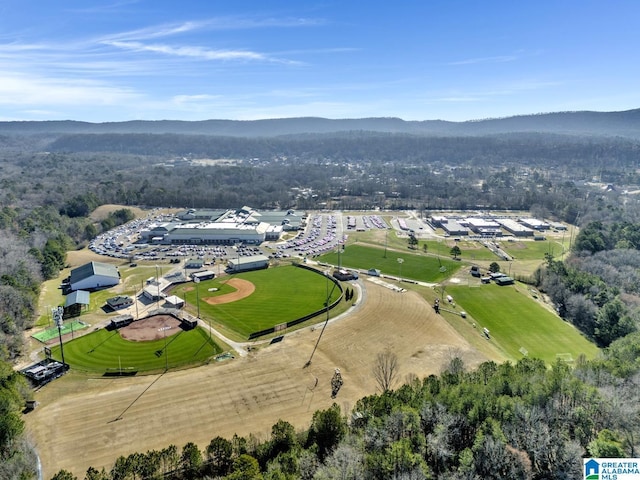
(113, 7)
(17, 89)
(197, 52)
(496, 59)
(505, 90)
(212, 24)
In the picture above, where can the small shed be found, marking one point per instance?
(193, 263)
(173, 301)
(504, 281)
(203, 275)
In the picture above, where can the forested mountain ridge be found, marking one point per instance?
(619, 124)
(515, 149)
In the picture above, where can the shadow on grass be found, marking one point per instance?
(102, 342)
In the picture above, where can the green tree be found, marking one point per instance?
(64, 475)
(283, 438)
(191, 460)
(327, 429)
(494, 267)
(606, 445)
(219, 456)
(94, 474)
(455, 252)
(612, 322)
(245, 467)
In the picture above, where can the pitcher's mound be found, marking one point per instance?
(244, 288)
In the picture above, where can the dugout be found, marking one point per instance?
(45, 371)
(120, 321)
(188, 322)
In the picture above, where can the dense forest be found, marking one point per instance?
(499, 421)
(508, 421)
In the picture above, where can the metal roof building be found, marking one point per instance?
(94, 275)
(515, 228)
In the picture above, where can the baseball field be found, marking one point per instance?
(89, 420)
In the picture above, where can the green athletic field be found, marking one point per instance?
(52, 332)
(415, 265)
(517, 322)
(282, 294)
(106, 351)
(531, 249)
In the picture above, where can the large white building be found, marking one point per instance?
(93, 276)
(230, 227)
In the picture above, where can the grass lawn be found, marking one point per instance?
(281, 294)
(415, 265)
(516, 320)
(531, 249)
(106, 350)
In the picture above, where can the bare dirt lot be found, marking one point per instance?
(152, 328)
(244, 288)
(84, 421)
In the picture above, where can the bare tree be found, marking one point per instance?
(385, 370)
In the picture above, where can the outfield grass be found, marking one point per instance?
(282, 294)
(531, 249)
(516, 320)
(415, 265)
(105, 350)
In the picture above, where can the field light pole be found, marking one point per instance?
(196, 280)
(158, 288)
(57, 314)
(400, 262)
(326, 305)
(166, 352)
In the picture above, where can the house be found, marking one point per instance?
(119, 302)
(93, 276)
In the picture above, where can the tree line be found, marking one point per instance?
(519, 420)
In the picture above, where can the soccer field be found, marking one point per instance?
(414, 265)
(518, 323)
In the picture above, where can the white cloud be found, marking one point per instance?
(26, 90)
(193, 52)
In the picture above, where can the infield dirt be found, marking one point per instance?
(84, 422)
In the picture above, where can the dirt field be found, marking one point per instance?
(152, 328)
(91, 421)
(244, 288)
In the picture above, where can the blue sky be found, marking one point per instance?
(244, 60)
